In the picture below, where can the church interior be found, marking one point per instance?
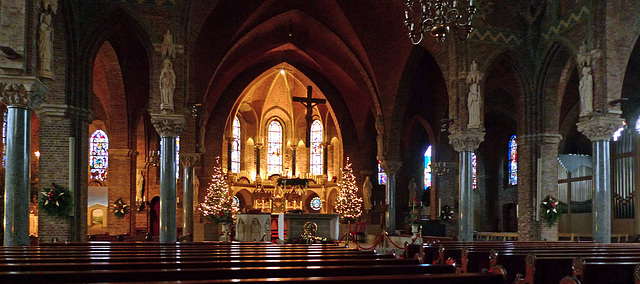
(495, 120)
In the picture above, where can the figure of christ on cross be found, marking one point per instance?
(309, 103)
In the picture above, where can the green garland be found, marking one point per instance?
(293, 182)
(120, 208)
(550, 212)
(55, 201)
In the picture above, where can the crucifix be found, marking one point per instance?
(309, 103)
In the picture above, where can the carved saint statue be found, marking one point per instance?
(473, 101)
(366, 193)
(50, 5)
(140, 187)
(586, 91)
(45, 45)
(167, 86)
(412, 191)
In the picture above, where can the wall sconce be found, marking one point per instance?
(153, 158)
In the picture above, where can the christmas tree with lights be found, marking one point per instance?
(218, 206)
(349, 205)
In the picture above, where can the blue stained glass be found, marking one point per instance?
(513, 161)
(427, 168)
(316, 203)
(98, 155)
(235, 202)
(382, 176)
(4, 139)
(474, 170)
(316, 147)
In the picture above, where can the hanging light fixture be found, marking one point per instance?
(438, 18)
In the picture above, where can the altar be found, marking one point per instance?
(328, 226)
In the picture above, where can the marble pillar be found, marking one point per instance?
(188, 161)
(21, 94)
(169, 127)
(599, 129)
(391, 167)
(465, 142)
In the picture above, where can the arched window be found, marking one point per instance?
(235, 146)
(177, 157)
(513, 161)
(316, 147)
(98, 155)
(274, 148)
(4, 139)
(382, 176)
(474, 170)
(427, 168)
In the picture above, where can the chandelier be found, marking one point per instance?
(438, 17)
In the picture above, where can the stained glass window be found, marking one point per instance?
(427, 168)
(274, 148)
(513, 161)
(178, 157)
(98, 155)
(235, 202)
(235, 146)
(474, 170)
(382, 176)
(316, 147)
(4, 139)
(316, 203)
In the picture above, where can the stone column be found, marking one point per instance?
(391, 167)
(188, 161)
(293, 160)
(599, 130)
(169, 127)
(258, 146)
(21, 95)
(466, 142)
(229, 150)
(121, 183)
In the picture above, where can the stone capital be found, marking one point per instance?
(22, 91)
(188, 160)
(258, 145)
(466, 140)
(599, 127)
(391, 166)
(168, 125)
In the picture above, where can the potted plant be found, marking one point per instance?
(413, 218)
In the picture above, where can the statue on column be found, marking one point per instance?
(167, 76)
(586, 82)
(45, 45)
(412, 191)
(366, 193)
(140, 187)
(473, 100)
(167, 86)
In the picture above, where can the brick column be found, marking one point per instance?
(391, 167)
(169, 127)
(465, 142)
(548, 180)
(121, 181)
(21, 95)
(188, 161)
(599, 130)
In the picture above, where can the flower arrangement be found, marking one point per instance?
(55, 201)
(413, 218)
(120, 208)
(550, 212)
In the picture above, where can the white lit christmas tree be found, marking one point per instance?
(349, 205)
(218, 206)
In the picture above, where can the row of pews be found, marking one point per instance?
(218, 263)
(541, 262)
